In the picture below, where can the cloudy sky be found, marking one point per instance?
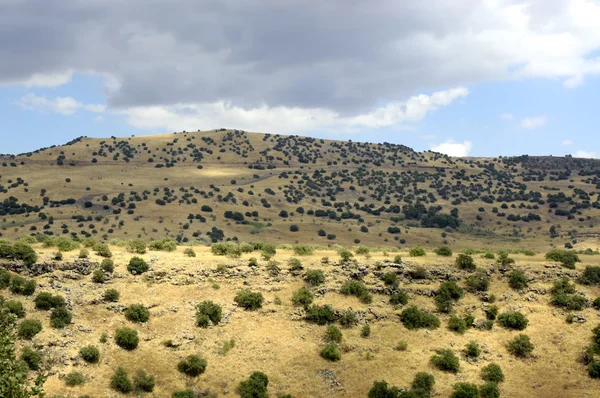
(463, 77)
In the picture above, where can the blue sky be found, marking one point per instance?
(464, 78)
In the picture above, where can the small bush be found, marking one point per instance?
(143, 381)
(127, 338)
(348, 319)
(491, 312)
(488, 256)
(321, 315)
(345, 254)
(29, 328)
(333, 334)
(397, 259)
(31, 357)
(166, 245)
(65, 244)
(137, 266)
(358, 289)
(107, 265)
(255, 386)
(14, 307)
(189, 252)
(120, 381)
(111, 295)
(416, 252)
(45, 301)
(465, 261)
(446, 360)
(590, 276)
(520, 346)
(314, 277)
(446, 295)
(83, 253)
(596, 303)
(457, 324)
(22, 286)
(567, 258)
(443, 251)
(492, 373)
(401, 346)
(331, 352)
(303, 250)
(90, 354)
(60, 317)
(365, 331)
(206, 312)
(302, 297)
(419, 273)
(489, 390)
(399, 298)
(192, 365)
(102, 250)
(137, 246)
(594, 369)
(465, 390)
(414, 318)
(295, 264)
(183, 394)
(472, 349)
(248, 299)
(513, 320)
(503, 259)
(98, 276)
(517, 279)
(479, 282)
(573, 302)
(74, 379)
(4, 279)
(137, 313)
(390, 278)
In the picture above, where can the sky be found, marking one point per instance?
(465, 78)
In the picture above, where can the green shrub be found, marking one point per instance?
(29, 328)
(446, 295)
(107, 265)
(143, 381)
(102, 250)
(14, 307)
(295, 264)
(192, 365)
(520, 346)
(137, 313)
(389, 278)
(465, 390)
(489, 390)
(65, 244)
(248, 299)
(252, 262)
(98, 276)
(303, 250)
(596, 303)
(358, 289)
(465, 261)
(457, 324)
(331, 352)
(445, 360)
(348, 319)
(517, 279)
(472, 349)
(137, 266)
(492, 373)
(302, 297)
(314, 277)
(83, 253)
(399, 298)
(414, 318)
(226, 249)
(416, 252)
(491, 312)
(60, 317)
(590, 276)
(594, 369)
(397, 259)
(74, 379)
(503, 259)
(567, 258)
(19, 285)
(189, 252)
(513, 320)
(488, 256)
(120, 381)
(320, 314)
(111, 295)
(45, 301)
(365, 331)
(381, 389)
(127, 338)
(4, 279)
(167, 245)
(90, 354)
(573, 302)
(333, 334)
(31, 357)
(345, 254)
(479, 282)
(137, 246)
(183, 394)
(207, 312)
(443, 251)
(255, 386)
(419, 273)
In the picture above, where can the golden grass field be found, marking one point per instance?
(276, 341)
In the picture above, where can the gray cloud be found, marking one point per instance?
(343, 55)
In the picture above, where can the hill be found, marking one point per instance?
(230, 184)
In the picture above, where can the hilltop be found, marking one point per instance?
(233, 185)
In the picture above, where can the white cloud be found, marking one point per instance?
(566, 143)
(285, 119)
(48, 80)
(574, 81)
(531, 123)
(507, 116)
(585, 154)
(453, 148)
(62, 105)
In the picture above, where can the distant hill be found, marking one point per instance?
(230, 184)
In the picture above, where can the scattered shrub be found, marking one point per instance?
(248, 299)
(465, 261)
(127, 338)
(45, 301)
(4, 279)
(189, 252)
(102, 250)
(90, 354)
(491, 312)
(492, 373)
(29, 328)
(111, 295)
(303, 250)
(517, 279)
(398, 259)
(302, 297)
(295, 264)
(445, 360)
(31, 357)
(137, 246)
(14, 307)
(314, 277)
(457, 324)
(567, 258)
(166, 245)
(390, 278)
(331, 352)
(365, 331)
(472, 349)
(98, 276)
(489, 390)
(443, 251)
(83, 253)
(399, 298)
(120, 381)
(503, 259)
(465, 390)
(414, 318)
(358, 289)
(419, 273)
(320, 314)
(590, 276)
(345, 254)
(348, 319)
(208, 312)
(143, 381)
(192, 365)
(22, 286)
(60, 317)
(74, 379)
(137, 266)
(137, 313)
(255, 386)
(596, 303)
(520, 346)
(107, 265)
(479, 282)
(416, 252)
(513, 320)
(446, 295)
(333, 334)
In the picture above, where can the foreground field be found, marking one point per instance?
(276, 340)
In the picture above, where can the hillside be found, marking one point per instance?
(230, 184)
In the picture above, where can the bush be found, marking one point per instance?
(183, 394)
(248, 299)
(446, 361)
(358, 289)
(465, 390)
(472, 349)
(111, 295)
(333, 334)
(594, 369)
(189, 252)
(303, 250)
(488, 256)
(345, 254)
(167, 245)
(399, 298)
(120, 381)
(302, 297)
(321, 315)
(567, 258)
(397, 259)
(348, 319)
(314, 277)
(255, 386)
(137, 246)
(22, 286)
(102, 250)
(14, 307)
(520, 346)
(380, 389)
(137, 313)
(443, 251)
(192, 365)
(513, 320)
(295, 264)
(29, 328)
(465, 261)
(107, 265)
(137, 266)
(98, 276)
(419, 273)
(457, 324)
(65, 244)
(416, 252)
(83, 253)
(491, 312)
(127, 338)
(60, 317)
(365, 331)
(31, 357)
(478, 282)
(4, 279)
(414, 318)
(503, 259)
(596, 303)
(207, 312)
(90, 354)
(331, 352)
(492, 373)
(74, 379)
(573, 302)
(517, 279)
(590, 276)
(143, 381)
(446, 295)
(489, 390)
(390, 278)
